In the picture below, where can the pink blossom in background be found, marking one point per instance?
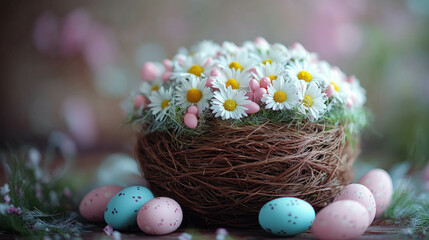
(101, 49)
(333, 30)
(45, 34)
(74, 31)
(80, 121)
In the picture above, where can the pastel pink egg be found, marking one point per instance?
(168, 64)
(261, 40)
(345, 219)
(379, 183)
(253, 84)
(249, 95)
(253, 70)
(252, 108)
(330, 90)
(138, 101)
(190, 120)
(193, 110)
(361, 194)
(149, 71)
(160, 216)
(94, 203)
(265, 82)
(259, 93)
(166, 76)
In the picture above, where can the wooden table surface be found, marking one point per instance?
(380, 229)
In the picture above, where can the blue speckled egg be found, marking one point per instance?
(286, 216)
(121, 211)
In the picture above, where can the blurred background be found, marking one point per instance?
(67, 65)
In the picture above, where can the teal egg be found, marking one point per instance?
(121, 211)
(286, 216)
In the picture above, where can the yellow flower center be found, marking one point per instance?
(165, 103)
(233, 83)
(196, 70)
(272, 78)
(308, 101)
(194, 95)
(229, 105)
(335, 86)
(155, 88)
(304, 75)
(280, 96)
(267, 61)
(235, 65)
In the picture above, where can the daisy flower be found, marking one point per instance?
(236, 79)
(276, 53)
(242, 61)
(199, 64)
(191, 90)
(229, 104)
(270, 70)
(282, 94)
(299, 53)
(161, 101)
(357, 92)
(313, 102)
(206, 47)
(341, 87)
(146, 88)
(229, 48)
(304, 72)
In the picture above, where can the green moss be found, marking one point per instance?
(355, 120)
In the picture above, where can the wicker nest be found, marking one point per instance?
(226, 175)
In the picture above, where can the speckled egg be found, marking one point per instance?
(121, 211)
(379, 183)
(345, 219)
(160, 216)
(361, 194)
(94, 203)
(286, 216)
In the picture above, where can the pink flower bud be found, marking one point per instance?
(168, 65)
(149, 71)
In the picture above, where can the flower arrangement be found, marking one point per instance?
(248, 84)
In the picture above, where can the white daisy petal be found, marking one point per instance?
(281, 95)
(192, 90)
(313, 103)
(229, 104)
(161, 102)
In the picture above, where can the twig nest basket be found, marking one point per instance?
(226, 175)
(223, 129)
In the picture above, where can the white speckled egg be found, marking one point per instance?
(361, 194)
(121, 211)
(160, 216)
(346, 219)
(286, 216)
(94, 203)
(379, 183)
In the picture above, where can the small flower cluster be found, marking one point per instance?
(231, 82)
(7, 207)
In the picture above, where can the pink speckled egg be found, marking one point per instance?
(345, 219)
(159, 216)
(379, 183)
(94, 203)
(361, 194)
